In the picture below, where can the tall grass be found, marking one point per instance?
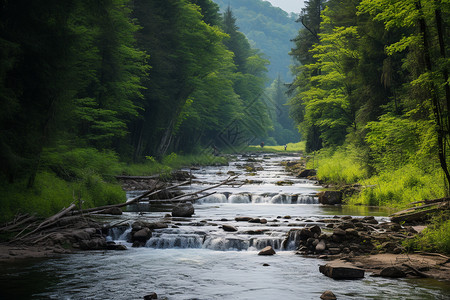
(68, 175)
(337, 167)
(400, 187)
(51, 193)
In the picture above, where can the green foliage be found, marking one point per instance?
(436, 237)
(343, 166)
(397, 188)
(51, 193)
(268, 28)
(76, 164)
(392, 141)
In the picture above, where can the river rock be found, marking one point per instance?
(341, 271)
(305, 234)
(142, 235)
(392, 272)
(183, 210)
(330, 197)
(328, 295)
(307, 173)
(267, 251)
(255, 220)
(346, 225)
(242, 219)
(339, 232)
(114, 246)
(230, 228)
(150, 296)
(315, 230)
(321, 246)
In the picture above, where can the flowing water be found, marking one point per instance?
(194, 258)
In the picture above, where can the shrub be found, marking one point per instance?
(436, 237)
(400, 187)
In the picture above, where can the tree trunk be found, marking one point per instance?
(442, 133)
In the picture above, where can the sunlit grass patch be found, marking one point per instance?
(340, 167)
(291, 147)
(400, 187)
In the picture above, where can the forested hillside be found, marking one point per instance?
(268, 28)
(84, 84)
(373, 93)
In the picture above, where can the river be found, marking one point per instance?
(196, 259)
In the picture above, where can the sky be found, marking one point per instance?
(288, 5)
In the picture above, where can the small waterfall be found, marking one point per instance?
(262, 242)
(261, 199)
(215, 198)
(293, 240)
(223, 243)
(239, 198)
(281, 199)
(165, 241)
(119, 233)
(307, 199)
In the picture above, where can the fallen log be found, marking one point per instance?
(47, 222)
(230, 179)
(419, 213)
(430, 201)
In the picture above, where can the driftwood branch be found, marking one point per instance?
(47, 222)
(19, 222)
(230, 179)
(417, 272)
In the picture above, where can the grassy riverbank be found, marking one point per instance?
(291, 147)
(84, 176)
(389, 187)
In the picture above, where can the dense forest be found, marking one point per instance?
(86, 84)
(268, 28)
(271, 30)
(372, 94)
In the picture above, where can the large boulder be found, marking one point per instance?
(341, 271)
(142, 235)
(183, 210)
(267, 251)
(330, 197)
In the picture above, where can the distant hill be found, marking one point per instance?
(269, 29)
